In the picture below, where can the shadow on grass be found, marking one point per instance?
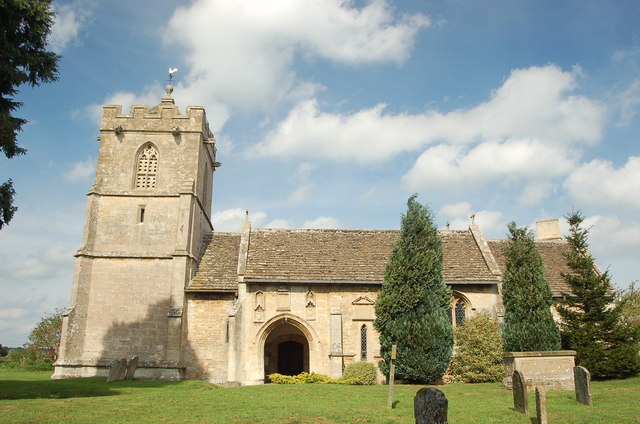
(70, 388)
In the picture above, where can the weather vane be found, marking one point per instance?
(171, 72)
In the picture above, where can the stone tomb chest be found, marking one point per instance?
(552, 370)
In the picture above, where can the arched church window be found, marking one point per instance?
(147, 167)
(460, 312)
(363, 343)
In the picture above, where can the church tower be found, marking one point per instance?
(147, 215)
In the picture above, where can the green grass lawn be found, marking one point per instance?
(31, 397)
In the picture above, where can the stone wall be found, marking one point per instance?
(141, 242)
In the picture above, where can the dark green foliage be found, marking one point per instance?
(24, 59)
(592, 325)
(478, 357)
(45, 336)
(528, 322)
(411, 309)
(364, 372)
(6, 203)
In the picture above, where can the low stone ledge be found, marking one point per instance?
(552, 370)
(146, 370)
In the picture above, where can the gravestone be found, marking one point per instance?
(541, 405)
(131, 368)
(118, 370)
(582, 379)
(430, 406)
(519, 393)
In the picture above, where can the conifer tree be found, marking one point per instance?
(411, 309)
(528, 322)
(24, 59)
(591, 323)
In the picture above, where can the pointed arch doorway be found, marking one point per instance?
(286, 349)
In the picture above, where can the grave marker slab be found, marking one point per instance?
(582, 379)
(430, 406)
(541, 405)
(131, 368)
(519, 393)
(118, 370)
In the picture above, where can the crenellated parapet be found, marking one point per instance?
(165, 117)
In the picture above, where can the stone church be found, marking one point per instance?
(152, 278)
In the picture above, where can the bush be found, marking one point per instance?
(364, 372)
(28, 359)
(479, 349)
(313, 378)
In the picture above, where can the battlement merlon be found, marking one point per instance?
(161, 118)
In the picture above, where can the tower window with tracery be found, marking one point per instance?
(147, 167)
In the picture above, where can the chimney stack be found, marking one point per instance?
(548, 230)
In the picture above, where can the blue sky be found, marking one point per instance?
(331, 114)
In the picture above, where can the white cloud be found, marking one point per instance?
(535, 192)
(12, 313)
(533, 104)
(240, 52)
(232, 220)
(81, 171)
(458, 215)
(150, 96)
(599, 183)
(613, 241)
(628, 102)
(278, 223)
(454, 168)
(305, 185)
(323, 222)
(68, 22)
(44, 263)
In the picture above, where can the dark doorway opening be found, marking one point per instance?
(290, 358)
(286, 350)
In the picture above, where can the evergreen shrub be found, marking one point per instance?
(526, 294)
(413, 304)
(365, 372)
(478, 352)
(606, 344)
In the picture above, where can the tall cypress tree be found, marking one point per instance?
(591, 324)
(411, 309)
(528, 322)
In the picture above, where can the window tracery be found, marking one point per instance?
(458, 311)
(147, 167)
(363, 343)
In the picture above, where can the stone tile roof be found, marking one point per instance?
(327, 256)
(346, 255)
(218, 268)
(462, 260)
(555, 264)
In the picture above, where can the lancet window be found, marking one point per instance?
(363, 343)
(147, 167)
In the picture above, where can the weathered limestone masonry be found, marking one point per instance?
(147, 215)
(153, 279)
